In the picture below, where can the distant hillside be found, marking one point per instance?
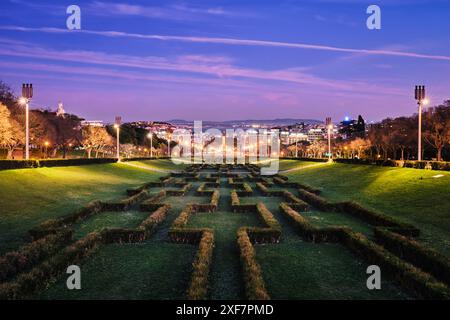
(231, 123)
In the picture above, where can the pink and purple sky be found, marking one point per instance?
(223, 60)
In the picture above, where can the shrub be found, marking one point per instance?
(37, 278)
(291, 199)
(412, 251)
(125, 203)
(376, 218)
(154, 202)
(262, 188)
(254, 283)
(18, 164)
(15, 262)
(234, 200)
(198, 286)
(53, 226)
(315, 200)
(307, 230)
(407, 275)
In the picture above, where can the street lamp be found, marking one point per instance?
(117, 127)
(419, 94)
(329, 127)
(150, 136)
(27, 94)
(46, 143)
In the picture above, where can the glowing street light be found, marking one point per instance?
(419, 95)
(27, 94)
(46, 144)
(117, 127)
(329, 127)
(150, 136)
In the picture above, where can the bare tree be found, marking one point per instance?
(437, 127)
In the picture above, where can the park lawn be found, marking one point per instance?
(31, 196)
(411, 195)
(288, 164)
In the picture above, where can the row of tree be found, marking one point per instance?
(51, 133)
(390, 139)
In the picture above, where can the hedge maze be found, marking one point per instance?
(191, 202)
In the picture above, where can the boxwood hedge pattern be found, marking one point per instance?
(418, 269)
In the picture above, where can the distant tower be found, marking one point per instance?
(60, 112)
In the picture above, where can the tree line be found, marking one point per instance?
(52, 135)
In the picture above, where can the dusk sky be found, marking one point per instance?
(223, 60)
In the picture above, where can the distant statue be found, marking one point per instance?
(60, 112)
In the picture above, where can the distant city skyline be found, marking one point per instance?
(227, 60)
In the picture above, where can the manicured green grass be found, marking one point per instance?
(118, 219)
(153, 270)
(31, 196)
(411, 195)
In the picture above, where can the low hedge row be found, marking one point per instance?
(255, 288)
(308, 188)
(211, 206)
(376, 218)
(412, 251)
(154, 202)
(198, 286)
(53, 226)
(315, 200)
(306, 230)
(293, 200)
(180, 192)
(434, 165)
(141, 233)
(408, 276)
(15, 262)
(261, 187)
(23, 164)
(125, 204)
(247, 191)
(268, 218)
(202, 190)
(37, 278)
(370, 216)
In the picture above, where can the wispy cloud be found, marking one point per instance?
(239, 42)
(170, 12)
(211, 67)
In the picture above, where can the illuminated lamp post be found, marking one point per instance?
(27, 94)
(46, 143)
(117, 127)
(421, 101)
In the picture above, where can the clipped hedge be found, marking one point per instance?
(198, 286)
(315, 200)
(18, 164)
(414, 252)
(53, 226)
(40, 276)
(307, 231)
(255, 288)
(408, 276)
(15, 262)
(434, 165)
(154, 202)
(125, 204)
(376, 218)
(23, 164)
(247, 191)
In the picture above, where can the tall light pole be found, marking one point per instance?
(329, 128)
(150, 136)
(27, 94)
(117, 127)
(421, 101)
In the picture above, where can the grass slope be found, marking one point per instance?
(30, 196)
(411, 195)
